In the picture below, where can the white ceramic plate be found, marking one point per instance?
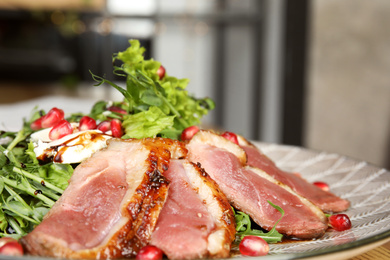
(364, 185)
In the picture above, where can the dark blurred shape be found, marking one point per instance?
(297, 21)
(57, 45)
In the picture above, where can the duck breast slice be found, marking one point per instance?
(325, 200)
(111, 205)
(197, 220)
(249, 189)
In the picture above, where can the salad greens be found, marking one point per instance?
(153, 106)
(148, 98)
(27, 189)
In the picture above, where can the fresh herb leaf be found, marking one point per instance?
(244, 227)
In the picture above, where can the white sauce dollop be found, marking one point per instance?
(73, 148)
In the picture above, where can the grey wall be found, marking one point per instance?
(348, 108)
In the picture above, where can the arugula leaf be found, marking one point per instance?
(58, 175)
(27, 189)
(244, 227)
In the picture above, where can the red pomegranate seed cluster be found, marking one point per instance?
(54, 116)
(61, 127)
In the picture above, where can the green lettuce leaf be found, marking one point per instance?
(133, 60)
(146, 124)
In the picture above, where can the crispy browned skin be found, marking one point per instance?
(226, 220)
(139, 209)
(197, 220)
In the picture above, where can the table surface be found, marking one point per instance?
(378, 253)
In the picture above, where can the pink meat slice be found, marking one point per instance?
(196, 220)
(249, 189)
(325, 200)
(71, 215)
(111, 204)
(184, 223)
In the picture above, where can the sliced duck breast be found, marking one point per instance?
(111, 205)
(325, 200)
(196, 220)
(249, 189)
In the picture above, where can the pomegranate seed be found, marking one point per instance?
(5, 240)
(116, 128)
(321, 185)
(60, 130)
(9, 246)
(161, 72)
(253, 246)
(189, 132)
(37, 124)
(87, 123)
(117, 110)
(54, 116)
(340, 222)
(104, 126)
(231, 137)
(149, 252)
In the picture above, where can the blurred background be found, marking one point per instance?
(307, 73)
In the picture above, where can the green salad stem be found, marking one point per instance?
(26, 187)
(38, 179)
